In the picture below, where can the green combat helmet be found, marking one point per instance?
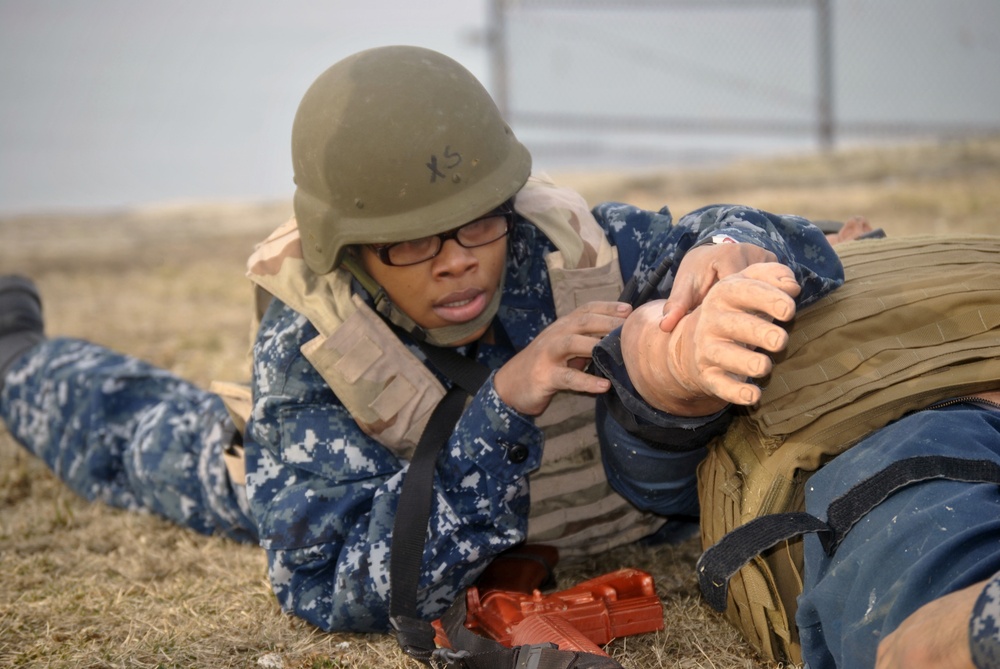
(397, 143)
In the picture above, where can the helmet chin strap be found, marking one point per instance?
(450, 335)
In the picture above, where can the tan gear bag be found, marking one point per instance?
(916, 321)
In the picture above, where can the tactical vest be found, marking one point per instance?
(916, 321)
(390, 393)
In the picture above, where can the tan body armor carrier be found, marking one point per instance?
(391, 393)
(917, 321)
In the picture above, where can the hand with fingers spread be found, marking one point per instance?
(702, 268)
(703, 362)
(555, 360)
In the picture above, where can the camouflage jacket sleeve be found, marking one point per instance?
(796, 243)
(984, 626)
(324, 494)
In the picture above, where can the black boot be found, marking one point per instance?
(21, 324)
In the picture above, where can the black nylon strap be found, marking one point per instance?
(410, 527)
(416, 636)
(718, 564)
(463, 372)
(850, 507)
(636, 294)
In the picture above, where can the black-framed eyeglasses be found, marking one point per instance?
(479, 232)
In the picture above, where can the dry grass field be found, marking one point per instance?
(88, 586)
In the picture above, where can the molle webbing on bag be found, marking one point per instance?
(916, 321)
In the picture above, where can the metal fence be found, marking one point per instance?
(663, 80)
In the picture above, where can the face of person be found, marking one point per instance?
(453, 287)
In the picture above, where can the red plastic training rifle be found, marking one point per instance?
(584, 617)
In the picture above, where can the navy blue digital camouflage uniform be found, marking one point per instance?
(321, 494)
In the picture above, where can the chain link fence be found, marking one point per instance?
(664, 81)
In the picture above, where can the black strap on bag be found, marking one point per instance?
(415, 635)
(720, 562)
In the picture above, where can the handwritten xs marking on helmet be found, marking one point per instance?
(450, 162)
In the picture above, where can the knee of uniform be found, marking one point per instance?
(652, 479)
(162, 466)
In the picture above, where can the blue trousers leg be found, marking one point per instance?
(121, 431)
(925, 541)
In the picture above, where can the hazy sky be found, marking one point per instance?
(107, 103)
(111, 103)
